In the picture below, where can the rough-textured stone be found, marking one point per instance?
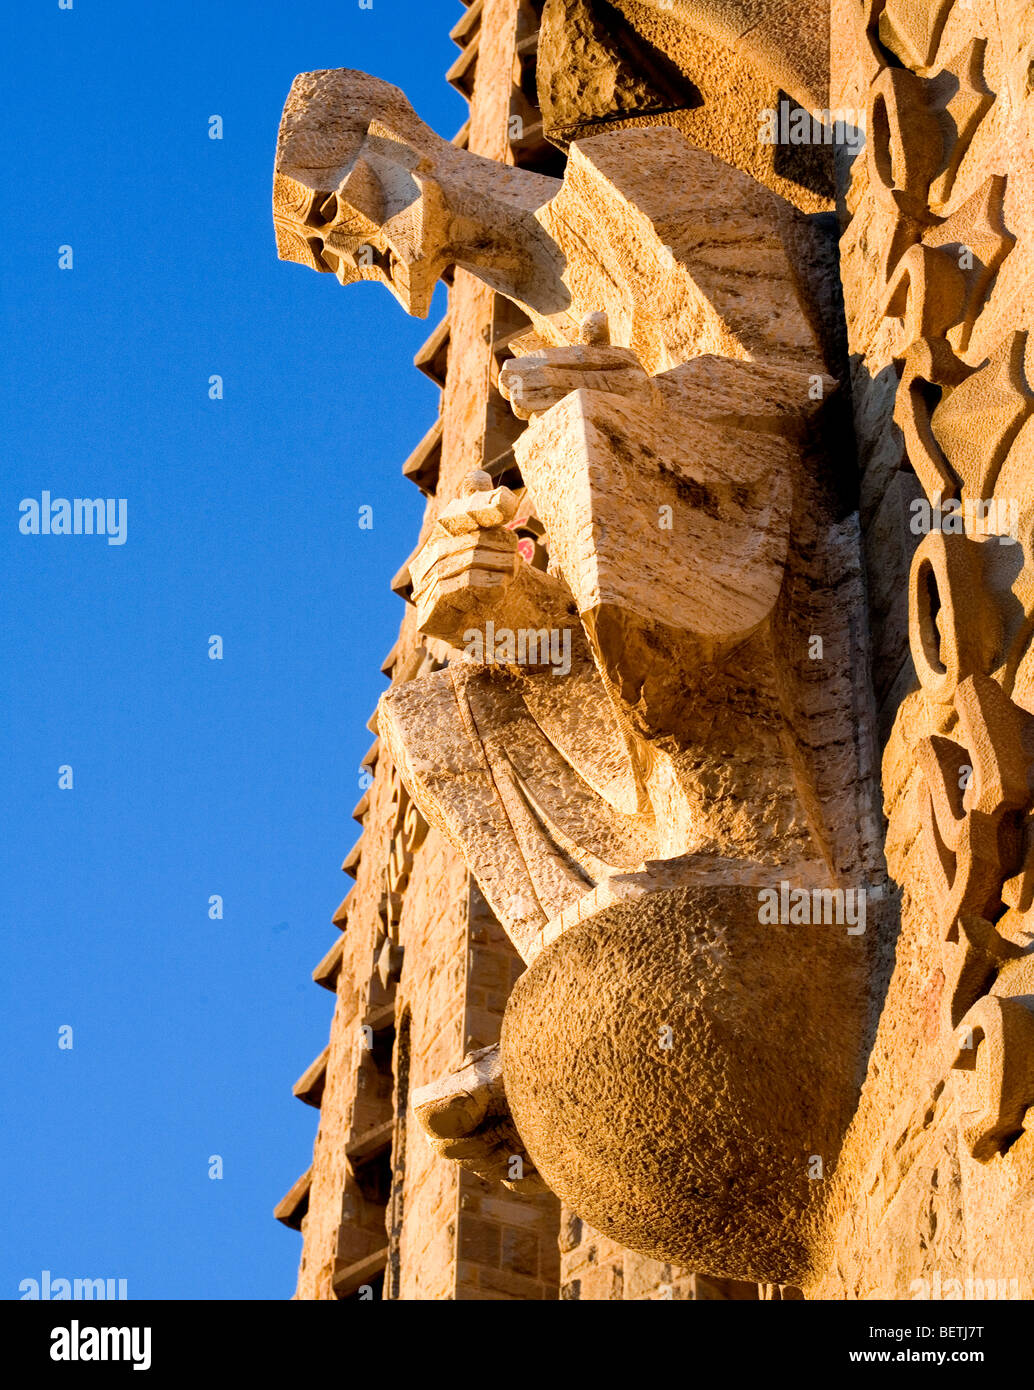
(670, 1098)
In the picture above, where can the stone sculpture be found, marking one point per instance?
(705, 735)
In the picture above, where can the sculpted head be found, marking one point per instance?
(364, 189)
(353, 189)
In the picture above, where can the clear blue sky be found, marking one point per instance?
(191, 777)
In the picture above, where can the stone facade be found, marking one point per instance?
(687, 955)
(936, 266)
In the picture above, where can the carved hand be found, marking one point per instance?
(469, 571)
(535, 383)
(462, 571)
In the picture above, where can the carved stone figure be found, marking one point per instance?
(631, 747)
(705, 262)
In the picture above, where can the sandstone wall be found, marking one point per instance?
(917, 1205)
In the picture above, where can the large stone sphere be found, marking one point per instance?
(675, 1068)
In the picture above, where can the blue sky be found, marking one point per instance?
(192, 777)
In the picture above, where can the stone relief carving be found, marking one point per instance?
(963, 405)
(669, 740)
(407, 830)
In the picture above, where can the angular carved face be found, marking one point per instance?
(364, 189)
(383, 221)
